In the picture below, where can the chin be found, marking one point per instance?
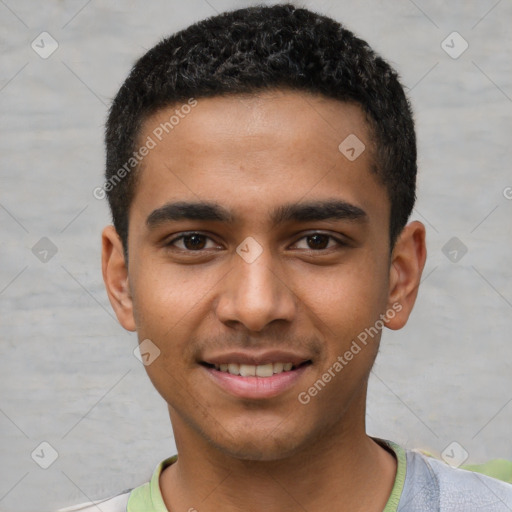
(258, 453)
(252, 444)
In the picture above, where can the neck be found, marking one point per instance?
(346, 468)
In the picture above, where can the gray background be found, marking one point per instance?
(67, 371)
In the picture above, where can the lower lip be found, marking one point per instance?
(256, 387)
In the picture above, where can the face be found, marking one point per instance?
(258, 254)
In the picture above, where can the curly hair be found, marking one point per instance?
(260, 48)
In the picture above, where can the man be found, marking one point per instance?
(261, 170)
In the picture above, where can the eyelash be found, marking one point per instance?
(170, 243)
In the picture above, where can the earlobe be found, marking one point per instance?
(115, 277)
(407, 263)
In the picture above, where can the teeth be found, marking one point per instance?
(264, 370)
(247, 370)
(234, 368)
(251, 370)
(278, 367)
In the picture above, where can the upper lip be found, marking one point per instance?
(257, 358)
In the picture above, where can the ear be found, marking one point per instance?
(115, 276)
(407, 262)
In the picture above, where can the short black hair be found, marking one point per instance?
(255, 49)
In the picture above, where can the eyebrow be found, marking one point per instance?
(333, 209)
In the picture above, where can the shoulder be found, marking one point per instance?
(115, 504)
(429, 480)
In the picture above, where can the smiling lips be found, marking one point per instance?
(251, 370)
(256, 375)
(256, 364)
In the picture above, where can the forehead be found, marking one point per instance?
(250, 151)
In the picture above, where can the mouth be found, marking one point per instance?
(256, 370)
(256, 378)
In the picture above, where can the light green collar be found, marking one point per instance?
(401, 470)
(148, 497)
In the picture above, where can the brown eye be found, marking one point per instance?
(318, 241)
(191, 242)
(194, 242)
(322, 243)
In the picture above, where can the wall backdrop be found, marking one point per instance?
(75, 400)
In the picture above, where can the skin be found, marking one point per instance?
(252, 154)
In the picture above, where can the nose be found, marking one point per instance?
(253, 294)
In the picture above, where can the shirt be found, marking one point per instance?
(422, 484)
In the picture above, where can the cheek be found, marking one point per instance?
(162, 298)
(170, 304)
(164, 304)
(349, 298)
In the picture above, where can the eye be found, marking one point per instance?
(320, 241)
(192, 242)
